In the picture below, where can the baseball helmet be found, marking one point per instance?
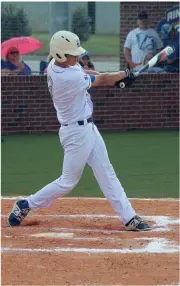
(65, 43)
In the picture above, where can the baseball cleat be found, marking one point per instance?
(18, 213)
(137, 224)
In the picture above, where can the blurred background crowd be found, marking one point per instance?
(28, 26)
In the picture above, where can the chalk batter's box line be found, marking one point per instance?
(156, 245)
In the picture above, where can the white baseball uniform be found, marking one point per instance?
(81, 143)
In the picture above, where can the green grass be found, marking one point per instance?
(145, 162)
(104, 45)
(98, 45)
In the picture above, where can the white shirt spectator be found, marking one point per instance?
(71, 99)
(142, 42)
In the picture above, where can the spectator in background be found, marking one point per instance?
(2, 63)
(44, 64)
(49, 58)
(13, 64)
(170, 37)
(154, 69)
(85, 61)
(141, 41)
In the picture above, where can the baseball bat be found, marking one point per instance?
(156, 59)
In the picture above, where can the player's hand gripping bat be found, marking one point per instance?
(162, 55)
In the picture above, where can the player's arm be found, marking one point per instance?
(109, 79)
(91, 72)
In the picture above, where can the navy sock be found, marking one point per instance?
(25, 204)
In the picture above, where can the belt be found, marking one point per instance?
(81, 122)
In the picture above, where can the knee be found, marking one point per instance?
(66, 183)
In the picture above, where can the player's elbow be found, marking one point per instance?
(101, 79)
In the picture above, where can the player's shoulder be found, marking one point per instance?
(54, 68)
(77, 74)
(58, 72)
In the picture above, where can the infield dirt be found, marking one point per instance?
(81, 241)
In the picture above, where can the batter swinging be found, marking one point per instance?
(80, 138)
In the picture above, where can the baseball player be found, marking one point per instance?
(82, 143)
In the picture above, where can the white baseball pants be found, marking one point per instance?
(84, 144)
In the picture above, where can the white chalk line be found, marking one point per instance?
(86, 238)
(96, 198)
(157, 245)
(70, 236)
(153, 246)
(89, 230)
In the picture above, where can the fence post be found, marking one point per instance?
(58, 16)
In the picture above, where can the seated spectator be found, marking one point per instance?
(85, 62)
(141, 41)
(170, 37)
(154, 69)
(2, 63)
(49, 59)
(13, 64)
(44, 64)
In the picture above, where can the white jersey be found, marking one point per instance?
(68, 88)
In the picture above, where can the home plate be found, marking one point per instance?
(54, 235)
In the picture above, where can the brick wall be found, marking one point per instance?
(151, 104)
(128, 14)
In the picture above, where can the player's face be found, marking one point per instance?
(72, 60)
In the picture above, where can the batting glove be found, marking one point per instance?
(127, 81)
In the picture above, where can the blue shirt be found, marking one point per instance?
(92, 76)
(174, 44)
(8, 65)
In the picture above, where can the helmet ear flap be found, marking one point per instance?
(57, 55)
(60, 57)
